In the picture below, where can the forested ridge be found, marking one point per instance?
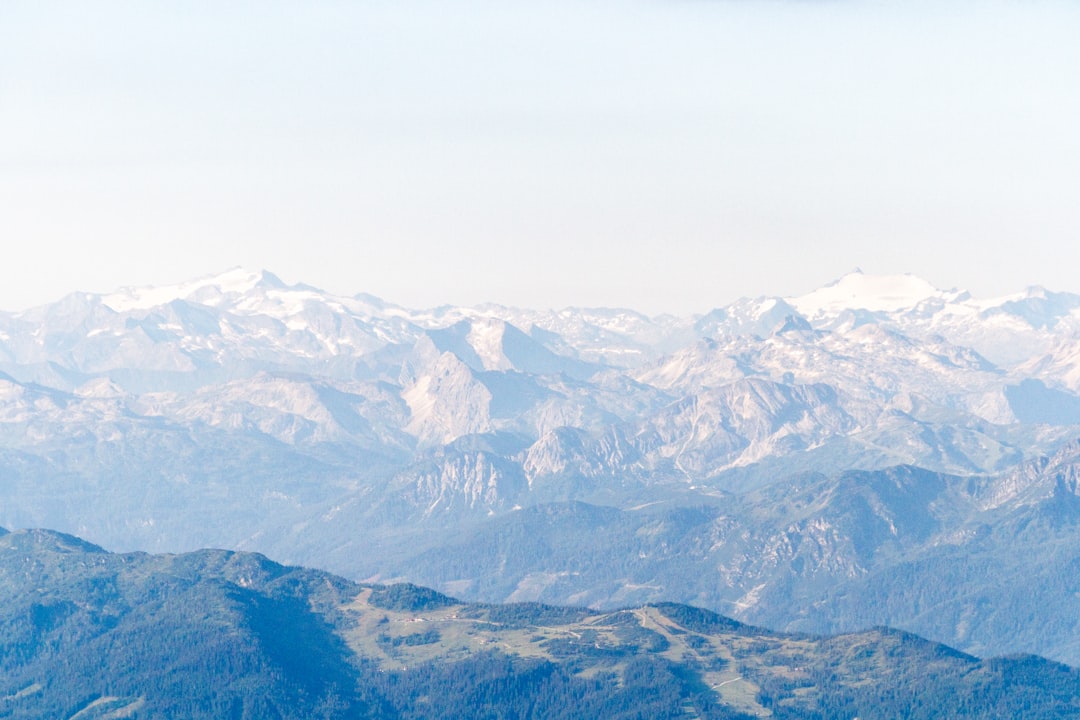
(85, 633)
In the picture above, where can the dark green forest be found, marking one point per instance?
(89, 634)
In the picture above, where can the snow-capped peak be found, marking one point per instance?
(876, 293)
(208, 290)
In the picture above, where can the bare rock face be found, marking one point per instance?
(472, 481)
(446, 401)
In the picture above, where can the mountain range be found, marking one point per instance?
(876, 452)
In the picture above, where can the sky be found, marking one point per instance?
(666, 155)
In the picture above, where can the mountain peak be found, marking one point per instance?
(234, 281)
(860, 291)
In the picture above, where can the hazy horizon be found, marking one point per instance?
(666, 156)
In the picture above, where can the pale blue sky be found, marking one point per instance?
(670, 155)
